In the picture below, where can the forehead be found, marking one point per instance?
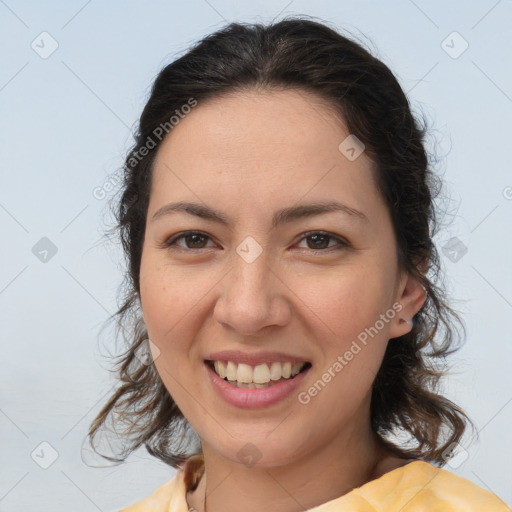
(258, 125)
(261, 146)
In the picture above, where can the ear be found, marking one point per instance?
(411, 295)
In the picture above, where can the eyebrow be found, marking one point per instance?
(280, 217)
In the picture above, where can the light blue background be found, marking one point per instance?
(65, 128)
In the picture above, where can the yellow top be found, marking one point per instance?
(416, 487)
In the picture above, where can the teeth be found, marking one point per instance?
(231, 371)
(275, 371)
(261, 375)
(220, 368)
(244, 373)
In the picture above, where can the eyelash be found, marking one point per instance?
(171, 242)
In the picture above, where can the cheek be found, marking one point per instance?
(345, 311)
(345, 302)
(348, 329)
(165, 296)
(164, 307)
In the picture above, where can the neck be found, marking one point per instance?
(349, 460)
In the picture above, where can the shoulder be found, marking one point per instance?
(172, 494)
(419, 486)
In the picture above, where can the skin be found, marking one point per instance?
(250, 154)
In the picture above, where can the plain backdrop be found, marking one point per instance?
(74, 79)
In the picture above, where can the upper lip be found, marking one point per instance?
(256, 358)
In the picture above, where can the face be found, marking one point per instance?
(322, 288)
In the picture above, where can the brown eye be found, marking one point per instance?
(193, 240)
(320, 240)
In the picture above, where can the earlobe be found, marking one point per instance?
(407, 321)
(412, 296)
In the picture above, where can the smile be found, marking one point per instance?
(252, 395)
(256, 377)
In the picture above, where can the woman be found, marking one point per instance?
(277, 214)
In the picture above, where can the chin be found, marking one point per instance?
(261, 454)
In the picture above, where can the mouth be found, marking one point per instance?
(257, 377)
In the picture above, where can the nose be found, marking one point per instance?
(252, 297)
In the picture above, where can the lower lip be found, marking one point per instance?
(254, 398)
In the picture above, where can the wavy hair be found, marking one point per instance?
(309, 56)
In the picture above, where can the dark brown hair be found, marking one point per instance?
(308, 56)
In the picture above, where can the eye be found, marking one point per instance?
(193, 240)
(319, 238)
